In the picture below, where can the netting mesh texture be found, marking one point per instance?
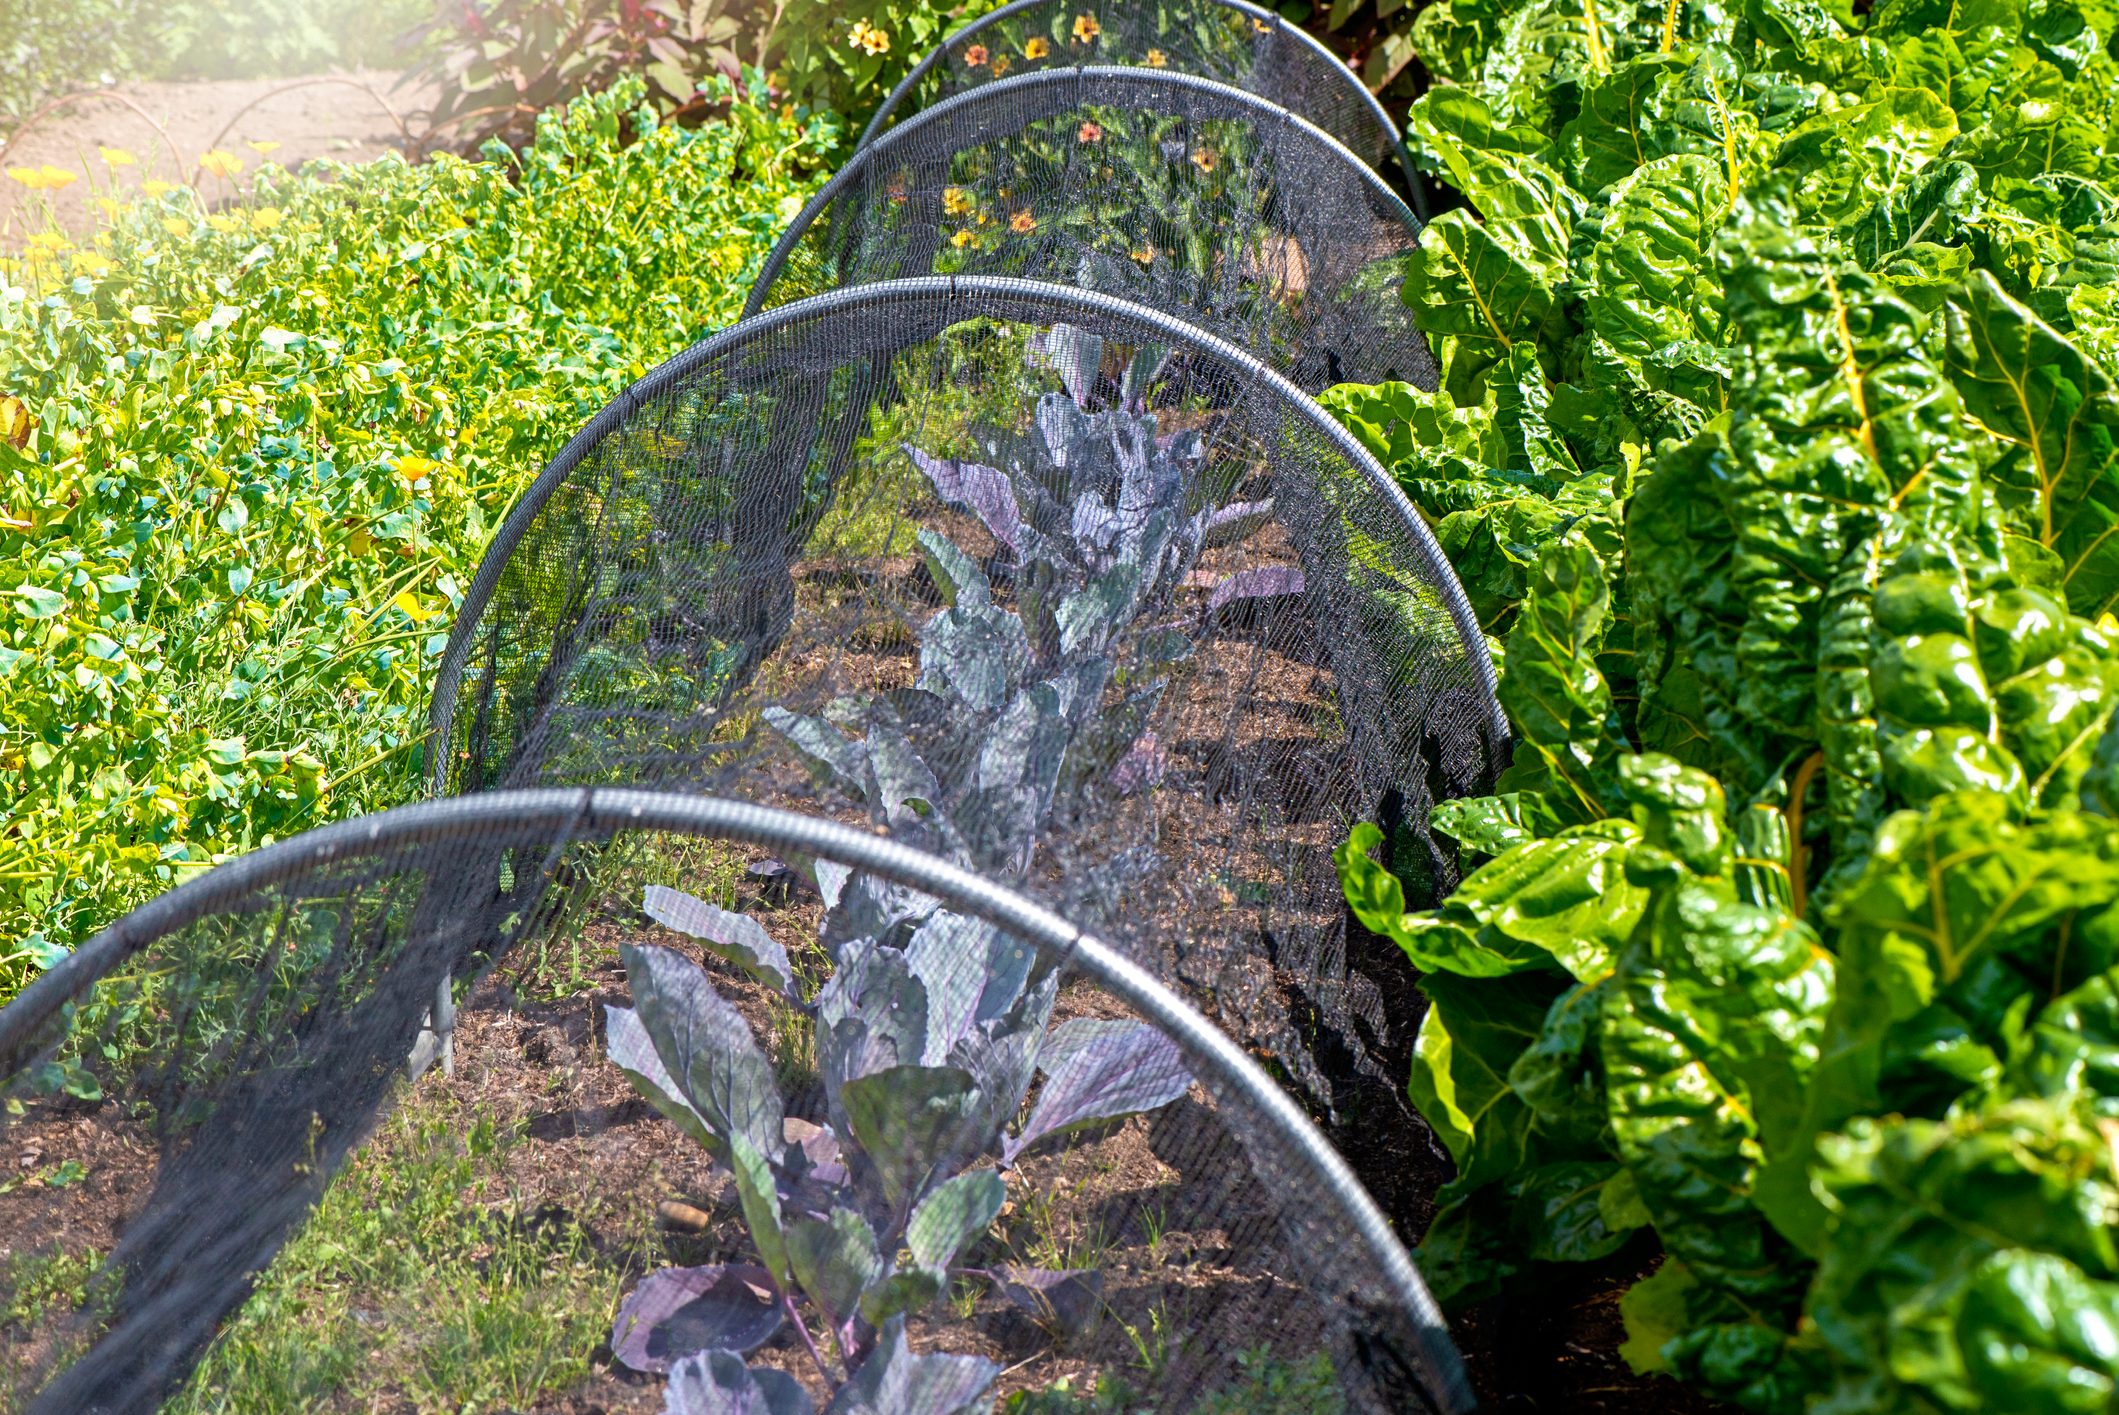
(1066, 585)
(1031, 580)
(1184, 195)
(1239, 44)
(972, 1168)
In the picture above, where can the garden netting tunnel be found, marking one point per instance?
(936, 685)
(1231, 41)
(973, 1149)
(1054, 585)
(1173, 191)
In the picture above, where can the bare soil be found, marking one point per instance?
(167, 126)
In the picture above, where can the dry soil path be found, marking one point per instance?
(168, 126)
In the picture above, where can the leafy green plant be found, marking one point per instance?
(251, 459)
(1775, 445)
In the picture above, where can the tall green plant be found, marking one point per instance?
(1775, 444)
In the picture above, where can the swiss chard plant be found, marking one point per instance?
(1775, 444)
(932, 1026)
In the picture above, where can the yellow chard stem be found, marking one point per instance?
(1599, 57)
(1670, 24)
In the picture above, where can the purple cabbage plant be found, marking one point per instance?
(1037, 676)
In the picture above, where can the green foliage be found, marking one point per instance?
(1776, 433)
(253, 461)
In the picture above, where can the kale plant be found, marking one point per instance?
(932, 1026)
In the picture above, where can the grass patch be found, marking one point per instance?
(418, 1279)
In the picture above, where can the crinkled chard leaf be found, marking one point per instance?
(1562, 902)
(706, 1048)
(895, 1380)
(678, 1311)
(1099, 1070)
(2040, 1336)
(738, 938)
(718, 1383)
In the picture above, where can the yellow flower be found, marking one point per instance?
(49, 243)
(961, 239)
(109, 206)
(1260, 25)
(263, 149)
(413, 470)
(1036, 49)
(1022, 223)
(867, 38)
(1002, 64)
(155, 188)
(176, 225)
(955, 201)
(1145, 255)
(225, 165)
(1086, 29)
(226, 225)
(43, 179)
(1205, 160)
(975, 56)
(118, 157)
(1157, 59)
(89, 263)
(265, 218)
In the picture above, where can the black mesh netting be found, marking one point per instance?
(918, 1145)
(1231, 41)
(1049, 584)
(1176, 192)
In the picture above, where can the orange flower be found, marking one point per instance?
(1036, 49)
(975, 56)
(1157, 59)
(1086, 29)
(1090, 133)
(1260, 25)
(1205, 160)
(1145, 255)
(1002, 64)
(225, 165)
(866, 37)
(1022, 223)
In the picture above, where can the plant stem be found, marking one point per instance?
(787, 1304)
